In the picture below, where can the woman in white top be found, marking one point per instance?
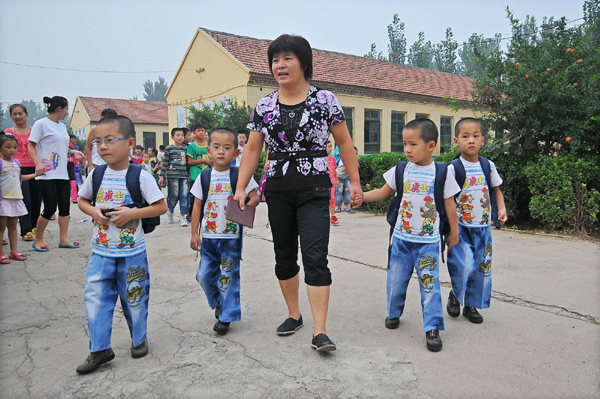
(49, 148)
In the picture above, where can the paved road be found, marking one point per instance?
(540, 338)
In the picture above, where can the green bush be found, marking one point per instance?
(371, 169)
(564, 191)
(260, 168)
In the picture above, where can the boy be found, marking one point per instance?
(221, 242)
(197, 157)
(242, 139)
(342, 195)
(174, 171)
(470, 262)
(415, 241)
(146, 163)
(118, 265)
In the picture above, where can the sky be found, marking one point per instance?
(149, 38)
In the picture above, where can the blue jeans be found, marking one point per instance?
(107, 278)
(219, 276)
(470, 266)
(404, 257)
(178, 190)
(341, 192)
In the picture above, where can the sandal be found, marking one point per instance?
(17, 256)
(4, 260)
(28, 237)
(75, 244)
(42, 248)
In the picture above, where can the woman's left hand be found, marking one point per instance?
(356, 195)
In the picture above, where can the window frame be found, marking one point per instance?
(397, 146)
(372, 147)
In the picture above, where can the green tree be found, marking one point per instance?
(2, 117)
(421, 53)
(155, 91)
(472, 51)
(444, 54)
(397, 45)
(229, 114)
(374, 54)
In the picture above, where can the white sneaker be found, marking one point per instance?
(183, 222)
(170, 217)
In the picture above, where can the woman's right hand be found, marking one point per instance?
(40, 169)
(240, 197)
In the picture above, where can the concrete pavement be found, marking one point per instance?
(540, 338)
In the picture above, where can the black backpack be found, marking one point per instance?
(461, 175)
(441, 170)
(132, 181)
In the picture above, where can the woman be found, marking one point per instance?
(295, 122)
(49, 148)
(32, 197)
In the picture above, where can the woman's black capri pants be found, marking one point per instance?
(303, 213)
(55, 193)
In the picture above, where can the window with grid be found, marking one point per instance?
(349, 115)
(417, 116)
(398, 122)
(149, 140)
(445, 134)
(372, 130)
(165, 138)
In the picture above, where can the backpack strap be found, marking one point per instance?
(487, 172)
(97, 176)
(205, 185)
(399, 178)
(441, 171)
(459, 172)
(132, 181)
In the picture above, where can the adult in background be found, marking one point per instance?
(49, 148)
(294, 121)
(91, 151)
(32, 197)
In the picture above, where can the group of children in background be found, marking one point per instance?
(467, 190)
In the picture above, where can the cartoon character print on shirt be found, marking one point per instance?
(225, 279)
(54, 158)
(429, 215)
(211, 216)
(126, 234)
(466, 209)
(102, 238)
(135, 291)
(485, 267)
(427, 279)
(405, 216)
(485, 206)
(229, 225)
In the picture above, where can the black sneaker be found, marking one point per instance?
(472, 314)
(392, 323)
(434, 342)
(95, 360)
(139, 351)
(453, 306)
(322, 343)
(221, 327)
(290, 326)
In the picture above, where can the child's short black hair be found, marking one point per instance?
(224, 130)
(467, 120)
(427, 128)
(108, 112)
(72, 136)
(293, 44)
(161, 147)
(197, 126)
(177, 129)
(126, 127)
(7, 137)
(138, 147)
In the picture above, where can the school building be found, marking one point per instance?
(149, 118)
(378, 97)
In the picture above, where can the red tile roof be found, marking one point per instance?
(346, 69)
(150, 112)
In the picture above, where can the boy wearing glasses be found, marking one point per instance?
(118, 265)
(219, 239)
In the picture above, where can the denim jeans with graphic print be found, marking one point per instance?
(470, 266)
(404, 257)
(108, 278)
(219, 276)
(177, 190)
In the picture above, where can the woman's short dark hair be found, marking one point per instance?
(294, 44)
(53, 103)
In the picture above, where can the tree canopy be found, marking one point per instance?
(155, 91)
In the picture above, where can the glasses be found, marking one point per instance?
(216, 148)
(109, 141)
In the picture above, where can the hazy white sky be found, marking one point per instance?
(145, 36)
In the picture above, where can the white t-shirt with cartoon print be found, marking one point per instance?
(215, 224)
(110, 240)
(418, 219)
(473, 206)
